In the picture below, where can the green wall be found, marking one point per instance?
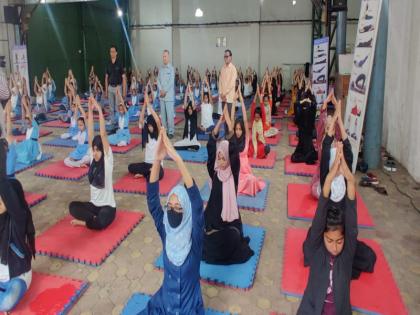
(76, 36)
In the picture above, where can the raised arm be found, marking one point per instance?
(80, 108)
(90, 122)
(8, 120)
(102, 128)
(153, 200)
(244, 115)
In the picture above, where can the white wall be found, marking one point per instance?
(252, 44)
(401, 128)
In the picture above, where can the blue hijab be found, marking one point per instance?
(178, 240)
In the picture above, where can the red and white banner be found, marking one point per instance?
(364, 54)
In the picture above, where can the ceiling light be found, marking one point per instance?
(119, 12)
(198, 12)
(294, 2)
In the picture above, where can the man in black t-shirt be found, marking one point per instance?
(114, 78)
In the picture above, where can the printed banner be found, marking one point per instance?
(364, 54)
(320, 69)
(20, 64)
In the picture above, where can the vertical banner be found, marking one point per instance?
(361, 72)
(20, 64)
(320, 69)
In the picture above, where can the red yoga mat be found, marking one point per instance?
(300, 169)
(56, 124)
(49, 294)
(131, 185)
(42, 133)
(33, 199)
(122, 150)
(372, 293)
(268, 162)
(79, 244)
(58, 170)
(178, 119)
(135, 130)
(302, 206)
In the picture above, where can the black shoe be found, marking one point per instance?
(357, 89)
(366, 44)
(361, 62)
(321, 55)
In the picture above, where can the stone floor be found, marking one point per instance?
(130, 268)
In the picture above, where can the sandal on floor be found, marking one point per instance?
(381, 190)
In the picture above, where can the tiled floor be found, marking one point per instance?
(130, 268)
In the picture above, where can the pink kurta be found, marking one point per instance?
(249, 184)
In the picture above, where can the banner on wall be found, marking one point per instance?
(320, 69)
(364, 54)
(20, 63)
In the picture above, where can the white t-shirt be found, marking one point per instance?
(5, 275)
(247, 90)
(105, 196)
(81, 137)
(150, 151)
(207, 115)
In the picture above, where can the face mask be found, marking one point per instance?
(174, 218)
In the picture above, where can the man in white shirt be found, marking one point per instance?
(227, 81)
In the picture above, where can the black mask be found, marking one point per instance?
(174, 218)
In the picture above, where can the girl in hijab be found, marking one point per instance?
(224, 242)
(330, 246)
(29, 150)
(189, 139)
(99, 213)
(305, 113)
(122, 137)
(180, 226)
(248, 184)
(17, 244)
(150, 128)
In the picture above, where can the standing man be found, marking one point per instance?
(166, 85)
(227, 81)
(114, 78)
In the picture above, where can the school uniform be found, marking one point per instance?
(328, 287)
(29, 149)
(180, 292)
(189, 139)
(224, 243)
(122, 137)
(100, 211)
(79, 156)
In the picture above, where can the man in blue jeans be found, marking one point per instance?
(166, 86)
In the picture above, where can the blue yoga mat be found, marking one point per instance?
(199, 156)
(107, 127)
(21, 167)
(237, 276)
(58, 142)
(256, 203)
(138, 302)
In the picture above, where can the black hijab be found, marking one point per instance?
(97, 168)
(240, 142)
(11, 193)
(146, 133)
(193, 121)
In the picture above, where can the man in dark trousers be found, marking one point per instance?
(114, 79)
